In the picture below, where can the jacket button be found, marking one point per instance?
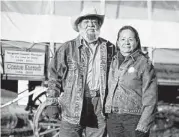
(76, 114)
(77, 98)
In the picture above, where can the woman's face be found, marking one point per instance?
(127, 42)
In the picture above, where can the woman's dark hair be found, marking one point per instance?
(135, 33)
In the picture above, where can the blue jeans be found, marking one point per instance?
(92, 122)
(123, 125)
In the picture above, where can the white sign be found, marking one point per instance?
(24, 57)
(24, 63)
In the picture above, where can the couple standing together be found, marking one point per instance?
(99, 86)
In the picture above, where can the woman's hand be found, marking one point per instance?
(141, 134)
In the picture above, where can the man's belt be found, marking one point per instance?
(92, 93)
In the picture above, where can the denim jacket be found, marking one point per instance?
(132, 88)
(68, 71)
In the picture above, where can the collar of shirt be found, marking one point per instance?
(79, 41)
(133, 55)
(92, 46)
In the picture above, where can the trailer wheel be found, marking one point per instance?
(43, 126)
(39, 99)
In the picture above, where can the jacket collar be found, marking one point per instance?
(79, 41)
(133, 55)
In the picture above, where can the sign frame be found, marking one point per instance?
(40, 66)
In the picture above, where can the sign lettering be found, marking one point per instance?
(24, 63)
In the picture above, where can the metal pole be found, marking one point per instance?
(149, 13)
(51, 45)
(52, 11)
(82, 5)
(102, 7)
(18, 98)
(117, 10)
(149, 9)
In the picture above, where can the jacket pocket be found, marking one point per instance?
(71, 74)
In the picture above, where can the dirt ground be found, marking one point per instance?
(15, 116)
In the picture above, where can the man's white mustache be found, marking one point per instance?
(91, 29)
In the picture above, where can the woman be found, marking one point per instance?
(132, 97)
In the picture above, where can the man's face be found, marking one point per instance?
(89, 29)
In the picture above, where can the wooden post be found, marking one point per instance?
(23, 86)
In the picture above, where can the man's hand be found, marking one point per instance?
(53, 112)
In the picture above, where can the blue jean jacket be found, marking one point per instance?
(68, 70)
(132, 88)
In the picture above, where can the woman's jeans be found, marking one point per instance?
(123, 125)
(92, 123)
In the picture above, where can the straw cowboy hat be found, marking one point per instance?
(86, 12)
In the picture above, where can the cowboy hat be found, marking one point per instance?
(86, 12)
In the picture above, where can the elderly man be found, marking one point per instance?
(78, 77)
